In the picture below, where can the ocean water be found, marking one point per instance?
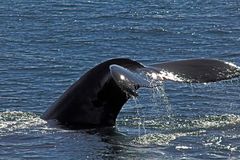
(47, 45)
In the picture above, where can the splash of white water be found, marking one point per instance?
(12, 122)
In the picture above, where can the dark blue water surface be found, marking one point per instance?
(47, 45)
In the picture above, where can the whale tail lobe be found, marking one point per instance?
(187, 71)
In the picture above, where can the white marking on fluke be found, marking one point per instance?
(165, 75)
(231, 64)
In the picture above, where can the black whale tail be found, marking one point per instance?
(98, 96)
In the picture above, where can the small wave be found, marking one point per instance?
(170, 131)
(161, 139)
(17, 121)
(174, 123)
(217, 121)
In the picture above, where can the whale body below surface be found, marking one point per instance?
(98, 96)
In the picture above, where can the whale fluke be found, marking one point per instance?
(197, 70)
(98, 96)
